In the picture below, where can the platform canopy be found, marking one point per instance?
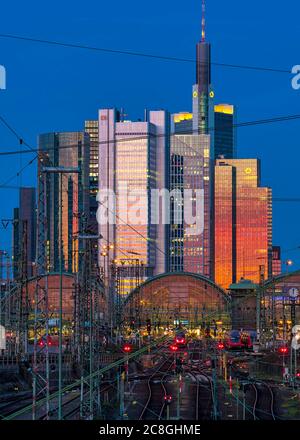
(282, 298)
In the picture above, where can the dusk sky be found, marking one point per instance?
(52, 88)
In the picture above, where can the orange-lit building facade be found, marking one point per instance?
(133, 157)
(276, 261)
(243, 222)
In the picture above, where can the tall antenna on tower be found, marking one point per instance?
(203, 21)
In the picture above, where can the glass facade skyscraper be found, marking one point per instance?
(26, 212)
(92, 128)
(202, 91)
(225, 131)
(66, 149)
(243, 222)
(192, 155)
(276, 261)
(132, 161)
(191, 169)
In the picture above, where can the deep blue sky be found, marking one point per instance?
(55, 88)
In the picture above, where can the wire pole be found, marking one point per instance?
(60, 304)
(60, 171)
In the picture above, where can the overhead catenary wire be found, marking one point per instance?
(22, 142)
(15, 133)
(285, 118)
(133, 53)
(32, 150)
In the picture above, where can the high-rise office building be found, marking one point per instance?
(225, 131)
(92, 128)
(243, 222)
(191, 168)
(203, 120)
(276, 261)
(182, 123)
(63, 150)
(133, 159)
(24, 231)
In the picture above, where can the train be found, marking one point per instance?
(180, 338)
(240, 340)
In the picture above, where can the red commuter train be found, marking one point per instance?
(240, 340)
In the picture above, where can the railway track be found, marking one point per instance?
(11, 407)
(204, 388)
(263, 406)
(155, 404)
(204, 396)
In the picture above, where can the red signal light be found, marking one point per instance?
(49, 341)
(127, 348)
(220, 346)
(283, 350)
(298, 374)
(174, 347)
(180, 340)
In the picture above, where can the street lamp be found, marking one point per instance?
(288, 264)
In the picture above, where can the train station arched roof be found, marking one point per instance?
(177, 296)
(291, 277)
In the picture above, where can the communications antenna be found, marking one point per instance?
(203, 21)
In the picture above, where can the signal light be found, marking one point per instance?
(298, 375)
(127, 348)
(43, 341)
(49, 341)
(283, 350)
(220, 346)
(180, 340)
(174, 348)
(168, 399)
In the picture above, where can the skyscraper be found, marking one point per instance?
(92, 128)
(243, 222)
(276, 261)
(203, 120)
(69, 149)
(24, 229)
(225, 131)
(133, 158)
(191, 168)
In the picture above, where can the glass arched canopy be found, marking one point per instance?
(177, 298)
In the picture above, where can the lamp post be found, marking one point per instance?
(288, 263)
(107, 272)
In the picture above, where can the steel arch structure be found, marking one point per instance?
(177, 297)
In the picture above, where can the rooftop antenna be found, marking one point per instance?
(203, 21)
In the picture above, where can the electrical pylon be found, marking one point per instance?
(40, 367)
(88, 298)
(22, 298)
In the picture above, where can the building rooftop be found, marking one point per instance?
(243, 285)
